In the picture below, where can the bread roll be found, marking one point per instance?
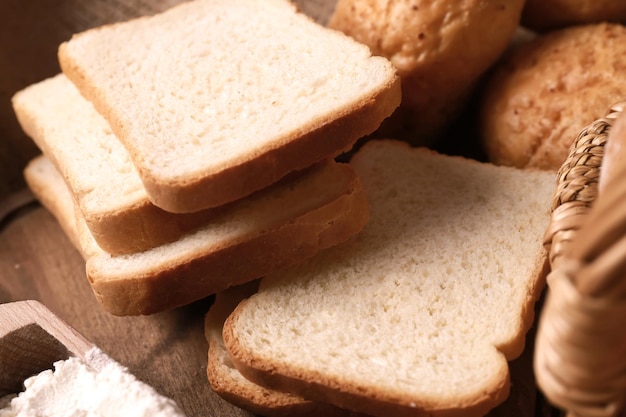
(544, 15)
(544, 92)
(439, 48)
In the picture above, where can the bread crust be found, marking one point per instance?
(143, 226)
(166, 278)
(539, 98)
(363, 399)
(196, 275)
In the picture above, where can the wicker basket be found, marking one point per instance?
(580, 356)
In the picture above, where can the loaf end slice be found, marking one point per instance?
(216, 99)
(286, 223)
(421, 312)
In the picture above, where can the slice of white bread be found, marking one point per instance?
(232, 386)
(286, 223)
(420, 313)
(80, 143)
(216, 99)
(228, 383)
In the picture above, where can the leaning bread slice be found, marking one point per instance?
(215, 99)
(284, 224)
(229, 384)
(420, 313)
(97, 169)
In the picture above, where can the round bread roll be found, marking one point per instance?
(439, 48)
(542, 15)
(614, 159)
(540, 96)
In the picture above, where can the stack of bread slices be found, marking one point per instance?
(193, 151)
(198, 146)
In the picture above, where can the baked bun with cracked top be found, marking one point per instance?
(439, 48)
(540, 96)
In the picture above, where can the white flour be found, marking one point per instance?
(102, 389)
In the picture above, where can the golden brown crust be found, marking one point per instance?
(144, 226)
(544, 15)
(439, 48)
(200, 275)
(541, 95)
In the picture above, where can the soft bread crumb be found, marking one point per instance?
(424, 308)
(234, 95)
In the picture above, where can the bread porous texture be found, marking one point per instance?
(539, 97)
(215, 99)
(231, 385)
(420, 312)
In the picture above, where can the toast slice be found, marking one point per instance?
(97, 169)
(421, 312)
(286, 223)
(229, 384)
(216, 99)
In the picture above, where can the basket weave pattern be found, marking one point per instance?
(580, 357)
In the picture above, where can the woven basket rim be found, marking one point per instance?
(578, 363)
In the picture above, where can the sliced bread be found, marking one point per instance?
(97, 169)
(420, 313)
(216, 99)
(286, 223)
(228, 383)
